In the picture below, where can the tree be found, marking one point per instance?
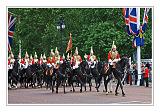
(96, 27)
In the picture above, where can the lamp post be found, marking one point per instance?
(61, 27)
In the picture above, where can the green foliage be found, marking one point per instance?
(89, 27)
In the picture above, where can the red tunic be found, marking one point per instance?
(61, 58)
(22, 61)
(53, 60)
(33, 61)
(9, 62)
(110, 56)
(88, 57)
(146, 74)
(40, 61)
(49, 61)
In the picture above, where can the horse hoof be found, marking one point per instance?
(107, 93)
(80, 91)
(70, 90)
(56, 91)
(116, 94)
(123, 95)
(110, 91)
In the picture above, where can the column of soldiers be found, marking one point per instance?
(55, 59)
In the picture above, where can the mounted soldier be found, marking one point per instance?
(76, 59)
(92, 58)
(31, 60)
(26, 60)
(44, 58)
(12, 60)
(35, 58)
(57, 59)
(40, 61)
(113, 56)
(19, 60)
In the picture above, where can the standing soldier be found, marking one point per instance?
(76, 59)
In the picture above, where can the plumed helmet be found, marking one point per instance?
(91, 52)
(19, 56)
(113, 45)
(56, 51)
(44, 56)
(68, 56)
(35, 55)
(41, 57)
(63, 56)
(31, 57)
(12, 56)
(85, 56)
(26, 55)
(9, 57)
(52, 53)
(76, 51)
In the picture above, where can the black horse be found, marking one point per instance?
(59, 76)
(13, 75)
(86, 73)
(119, 72)
(96, 69)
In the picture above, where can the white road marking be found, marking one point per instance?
(128, 102)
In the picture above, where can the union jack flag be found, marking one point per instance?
(145, 20)
(126, 17)
(134, 22)
(11, 26)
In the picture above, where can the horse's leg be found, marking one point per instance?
(116, 93)
(85, 82)
(81, 88)
(64, 84)
(123, 94)
(96, 81)
(106, 85)
(110, 86)
(99, 81)
(73, 87)
(57, 84)
(53, 83)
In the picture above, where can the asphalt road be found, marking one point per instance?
(134, 95)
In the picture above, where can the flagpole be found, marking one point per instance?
(139, 53)
(20, 50)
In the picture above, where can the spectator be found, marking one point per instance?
(135, 72)
(146, 75)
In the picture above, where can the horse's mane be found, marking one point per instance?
(122, 62)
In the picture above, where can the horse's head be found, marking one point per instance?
(124, 62)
